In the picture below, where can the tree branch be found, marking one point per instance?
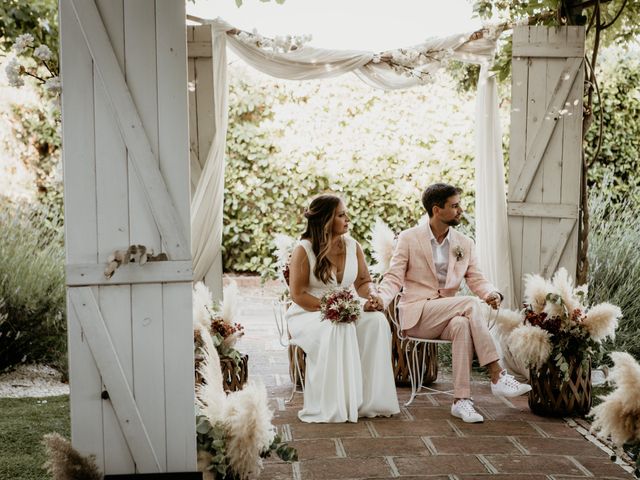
(607, 25)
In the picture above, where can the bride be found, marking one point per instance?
(348, 365)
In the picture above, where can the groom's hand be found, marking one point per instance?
(494, 299)
(374, 303)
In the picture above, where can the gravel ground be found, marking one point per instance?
(32, 381)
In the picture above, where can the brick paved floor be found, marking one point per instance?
(423, 441)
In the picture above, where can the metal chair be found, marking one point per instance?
(416, 358)
(280, 307)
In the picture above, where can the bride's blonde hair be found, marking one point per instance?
(319, 232)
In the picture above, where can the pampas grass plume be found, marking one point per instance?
(210, 396)
(66, 463)
(507, 320)
(382, 241)
(248, 422)
(530, 345)
(230, 294)
(602, 320)
(536, 289)
(618, 415)
(202, 301)
(564, 287)
(284, 246)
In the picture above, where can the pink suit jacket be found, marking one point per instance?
(412, 267)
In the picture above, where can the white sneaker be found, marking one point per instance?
(507, 386)
(464, 409)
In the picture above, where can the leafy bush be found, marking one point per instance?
(614, 273)
(619, 157)
(32, 289)
(288, 141)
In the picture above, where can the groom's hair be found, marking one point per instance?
(437, 194)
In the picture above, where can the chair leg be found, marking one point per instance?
(297, 375)
(412, 372)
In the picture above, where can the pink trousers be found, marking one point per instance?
(460, 320)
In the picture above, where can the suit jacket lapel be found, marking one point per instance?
(424, 238)
(454, 242)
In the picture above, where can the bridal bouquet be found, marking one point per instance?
(339, 306)
(556, 325)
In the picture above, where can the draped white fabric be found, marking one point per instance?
(312, 63)
(492, 232)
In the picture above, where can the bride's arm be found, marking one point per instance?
(363, 283)
(299, 281)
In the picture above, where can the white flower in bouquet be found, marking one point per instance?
(536, 289)
(43, 52)
(23, 42)
(530, 345)
(618, 416)
(382, 242)
(13, 70)
(602, 320)
(339, 306)
(53, 85)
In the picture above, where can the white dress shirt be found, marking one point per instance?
(441, 257)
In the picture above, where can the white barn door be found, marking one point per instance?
(546, 150)
(126, 175)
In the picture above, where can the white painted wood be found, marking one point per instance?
(571, 153)
(517, 148)
(131, 126)
(547, 50)
(87, 311)
(113, 229)
(177, 341)
(546, 127)
(199, 49)
(544, 178)
(146, 304)
(551, 257)
(551, 210)
(151, 272)
(532, 232)
(80, 220)
(552, 166)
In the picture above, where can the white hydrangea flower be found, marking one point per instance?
(53, 85)
(23, 42)
(43, 53)
(13, 69)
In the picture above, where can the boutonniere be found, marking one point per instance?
(458, 252)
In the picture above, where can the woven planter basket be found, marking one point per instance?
(550, 396)
(230, 380)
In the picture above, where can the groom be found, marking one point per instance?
(429, 263)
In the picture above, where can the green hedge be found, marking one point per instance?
(32, 290)
(288, 141)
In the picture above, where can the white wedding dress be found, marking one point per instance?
(348, 366)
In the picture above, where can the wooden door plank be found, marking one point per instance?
(517, 149)
(536, 149)
(153, 272)
(562, 234)
(88, 314)
(80, 220)
(548, 210)
(177, 341)
(146, 299)
(132, 128)
(113, 229)
(536, 111)
(552, 160)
